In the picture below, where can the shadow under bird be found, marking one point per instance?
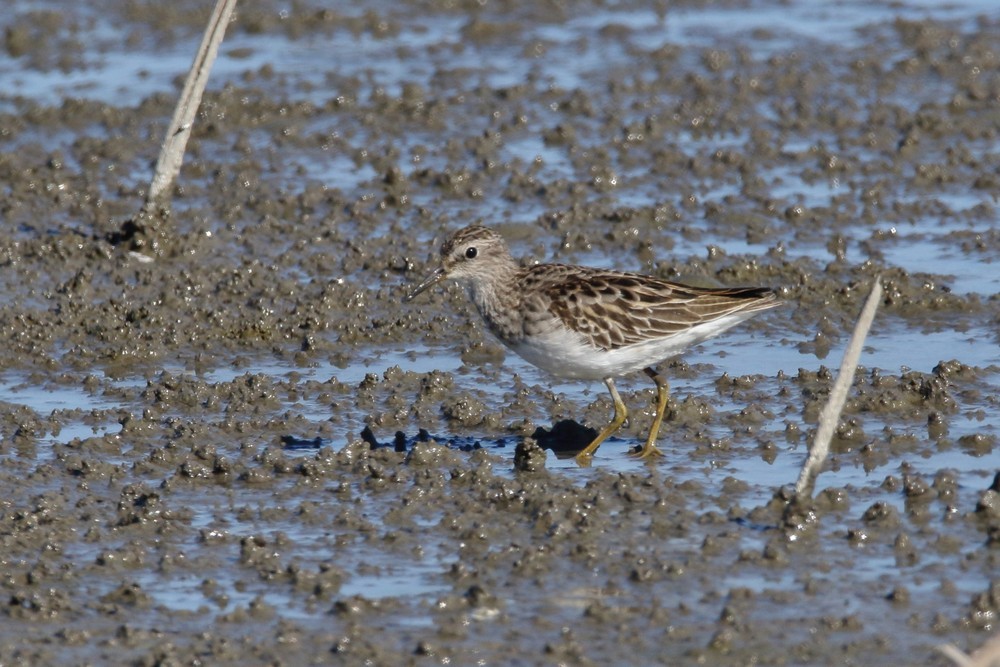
(585, 323)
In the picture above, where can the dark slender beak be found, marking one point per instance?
(431, 280)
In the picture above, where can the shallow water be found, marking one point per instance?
(182, 438)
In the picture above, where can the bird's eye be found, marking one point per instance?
(470, 253)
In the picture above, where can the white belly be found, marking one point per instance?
(567, 354)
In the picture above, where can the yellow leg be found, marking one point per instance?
(662, 395)
(587, 453)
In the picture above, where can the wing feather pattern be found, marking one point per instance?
(614, 310)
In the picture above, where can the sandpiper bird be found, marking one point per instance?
(585, 323)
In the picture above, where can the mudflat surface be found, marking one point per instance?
(225, 439)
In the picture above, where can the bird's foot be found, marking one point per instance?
(650, 450)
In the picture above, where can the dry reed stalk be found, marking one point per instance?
(168, 165)
(830, 414)
(987, 655)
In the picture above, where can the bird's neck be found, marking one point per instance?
(498, 301)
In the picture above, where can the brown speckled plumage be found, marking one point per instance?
(588, 323)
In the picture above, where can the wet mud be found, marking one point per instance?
(226, 440)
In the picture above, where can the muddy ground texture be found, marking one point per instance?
(202, 494)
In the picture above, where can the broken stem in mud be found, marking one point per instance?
(168, 165)
(956, 655)
(830, 414)
(988, 655)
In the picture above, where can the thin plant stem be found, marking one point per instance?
(168, 166)
(830, 414)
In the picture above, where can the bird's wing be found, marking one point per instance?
(613, 309)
